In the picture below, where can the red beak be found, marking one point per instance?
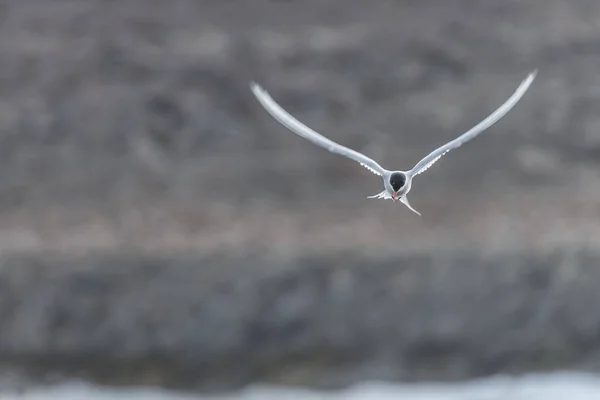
(394, 196)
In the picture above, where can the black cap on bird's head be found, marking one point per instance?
(397, 181)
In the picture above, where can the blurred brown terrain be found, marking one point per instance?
(156, 225)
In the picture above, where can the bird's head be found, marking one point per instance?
(397, 182)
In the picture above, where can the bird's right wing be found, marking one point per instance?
(284, 118)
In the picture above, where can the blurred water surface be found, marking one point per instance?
(555, 386)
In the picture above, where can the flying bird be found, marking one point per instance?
(396, 184)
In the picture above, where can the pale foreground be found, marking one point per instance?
(555, 386)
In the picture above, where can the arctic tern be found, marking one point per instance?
(396, 184)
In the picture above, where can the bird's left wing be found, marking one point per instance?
(435, 155)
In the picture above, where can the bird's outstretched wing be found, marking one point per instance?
(435, 155)
(284, 118)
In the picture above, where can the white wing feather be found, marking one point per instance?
(435, 155)
(284, 118)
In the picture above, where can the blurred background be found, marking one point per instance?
(162, 237)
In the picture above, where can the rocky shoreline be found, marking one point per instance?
(206, 323)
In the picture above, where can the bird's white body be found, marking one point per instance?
(390, 193)
(396, 184)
